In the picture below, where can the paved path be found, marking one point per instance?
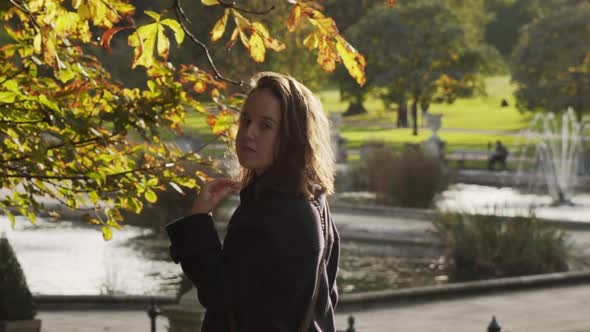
(562, 309)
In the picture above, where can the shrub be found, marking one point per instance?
(16, 301)
(488, 246)
(409, 178)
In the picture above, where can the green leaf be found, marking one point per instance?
(176, 28)
(107, 233)
(153, 15)
(66, 75)
(7, 97)
(163, 44)
(46, 102)
(32, 218)
(144, 41)
(150, 196)
(11, 218)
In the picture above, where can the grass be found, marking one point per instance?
(356, 136)
(479, 112)
(468, 123)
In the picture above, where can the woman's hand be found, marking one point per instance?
(212, 193)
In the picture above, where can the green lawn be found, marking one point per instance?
(480, 112)
(469, 114)
(357, 136)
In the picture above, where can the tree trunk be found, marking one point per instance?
(424, 106)
(402, 113)
(415, 116)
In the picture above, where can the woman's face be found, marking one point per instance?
(258, 132)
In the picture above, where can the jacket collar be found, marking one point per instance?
(257, 190)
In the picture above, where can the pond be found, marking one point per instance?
(69, 258)
(511, 201)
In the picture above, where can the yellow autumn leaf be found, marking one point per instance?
(353, 61)
(200, 87)
(326, 25)
(274, 44)
(144, 41)
(257, 48)
(232, 40)
(210, 2)
(327, 55)
(219, 27)
(107, 233)
(163, 43)
(294, 18)
(269, 42)
(241, 22)
(176, 28)
(260, 28)
(311, 41)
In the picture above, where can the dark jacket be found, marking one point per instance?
(266, 269)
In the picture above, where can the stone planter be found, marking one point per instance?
(33, 325)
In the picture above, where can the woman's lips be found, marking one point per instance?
(247, 149)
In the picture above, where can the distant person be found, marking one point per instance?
(504, 102)
(498, 156)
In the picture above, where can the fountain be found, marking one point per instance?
(556, 146)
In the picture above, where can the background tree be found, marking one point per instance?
(551, 65)
(347, 13)
(70, 131)
(419, 62)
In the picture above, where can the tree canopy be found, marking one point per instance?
(551, 64)
(426, 52)
(71, 132)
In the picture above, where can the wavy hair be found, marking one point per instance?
(304, 160)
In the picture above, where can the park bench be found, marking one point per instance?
(462, 155)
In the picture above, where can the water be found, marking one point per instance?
(66, 258)
(556, 144)
(509, 201)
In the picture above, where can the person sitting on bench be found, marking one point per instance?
(498, 156)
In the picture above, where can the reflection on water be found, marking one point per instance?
(363, 269)
(509, 201)
(67, 258)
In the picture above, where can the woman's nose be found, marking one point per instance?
(251, 130)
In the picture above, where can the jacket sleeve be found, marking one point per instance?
(196, 246)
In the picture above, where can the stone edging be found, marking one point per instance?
(367, 300)
(99, 302)
(346, 303)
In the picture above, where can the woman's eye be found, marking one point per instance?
(266, 126)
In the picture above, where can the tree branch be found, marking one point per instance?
(28, 13)
(181, 16)
(57, 146)
(22, 122)
(43, 177)
(233, 5)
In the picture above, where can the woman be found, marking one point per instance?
(276, 270)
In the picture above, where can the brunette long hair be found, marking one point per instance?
(304, 160)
